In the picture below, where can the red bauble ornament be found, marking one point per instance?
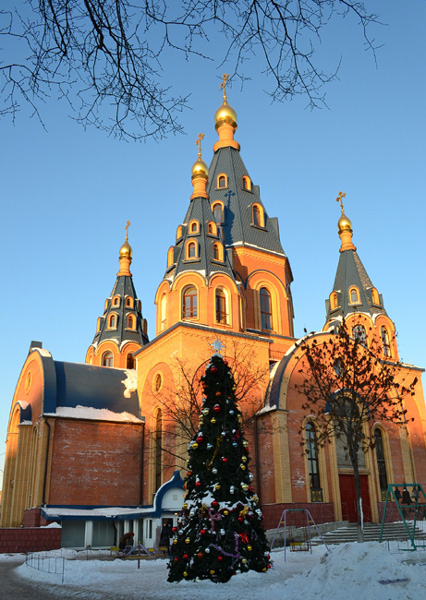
(175, 560)
(241, 519)
(224, 459)
(215, 503)
(220, 558)
(186, 556)
(213, 369)
(218, 393)
(200, 439)
(216, 408)
(268, 566)
(200, 555)
(250, 488)
(225, 362)
(203, 532)
(198, 484)
(174, 529)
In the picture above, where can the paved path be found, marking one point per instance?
(14, 587)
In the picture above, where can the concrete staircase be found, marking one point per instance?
(392, 532)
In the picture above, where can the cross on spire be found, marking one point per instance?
(198, 143)
(339, 198)
(127, 230)
(225, 78)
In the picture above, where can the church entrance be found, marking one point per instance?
(348, 498)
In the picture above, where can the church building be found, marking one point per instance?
(100, 447)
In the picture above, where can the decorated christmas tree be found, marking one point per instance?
(219, 531)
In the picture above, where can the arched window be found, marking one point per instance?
(359, 334)
(218, 251)
(353, 295)
(190, 303)
(221, 307)
(130, 361)
(217, 209)
(107, 359)
(170, 256)
(163, 312)
(212, 229)
(381, 463)
(375, 296)
(313, 462)
(246, 183)
(385, 341)
(191, 250)
(158, 382)
(333, 301)
(265, 309)
(194, 227)
(112, 321)
(129, 302)
(158, 447)
(222, 181)
(131, 322)
(257, 216)
(116, 301)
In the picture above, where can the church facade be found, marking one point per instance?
(100, 447)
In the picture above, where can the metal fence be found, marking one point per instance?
(45, 563)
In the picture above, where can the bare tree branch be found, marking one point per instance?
(106, 56)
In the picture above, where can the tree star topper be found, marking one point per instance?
(217, 345)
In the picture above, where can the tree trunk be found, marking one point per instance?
(360, 515)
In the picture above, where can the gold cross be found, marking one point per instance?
(198, 143)
(225, 78)
(339, 198)
(127, 230)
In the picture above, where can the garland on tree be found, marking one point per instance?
(220, 530)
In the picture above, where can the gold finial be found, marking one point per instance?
(127, 230)
(339, 198)
(225, 78)
(198, 143)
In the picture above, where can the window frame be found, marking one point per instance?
(222, 177)
(221, 302)
(190, 313)
(266, 316)
(107, 357)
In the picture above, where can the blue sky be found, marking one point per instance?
(66, 194)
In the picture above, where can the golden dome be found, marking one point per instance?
(225, 114)
(126, 250)
(344, 223)
(200, 169)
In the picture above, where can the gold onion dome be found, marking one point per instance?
(344, 223)
(200, 169)
(126, 250)
(225, 114)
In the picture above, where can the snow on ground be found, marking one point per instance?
(352, 571)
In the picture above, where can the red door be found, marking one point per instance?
(348, 498)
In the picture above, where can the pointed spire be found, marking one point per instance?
(344, 226)
(200, 173)
(225, 121)
(125, 256)
(353, 291)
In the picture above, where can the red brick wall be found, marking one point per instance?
(33, 518)
(95, 463)
(29, 539)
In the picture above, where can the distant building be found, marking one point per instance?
(95, 447)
